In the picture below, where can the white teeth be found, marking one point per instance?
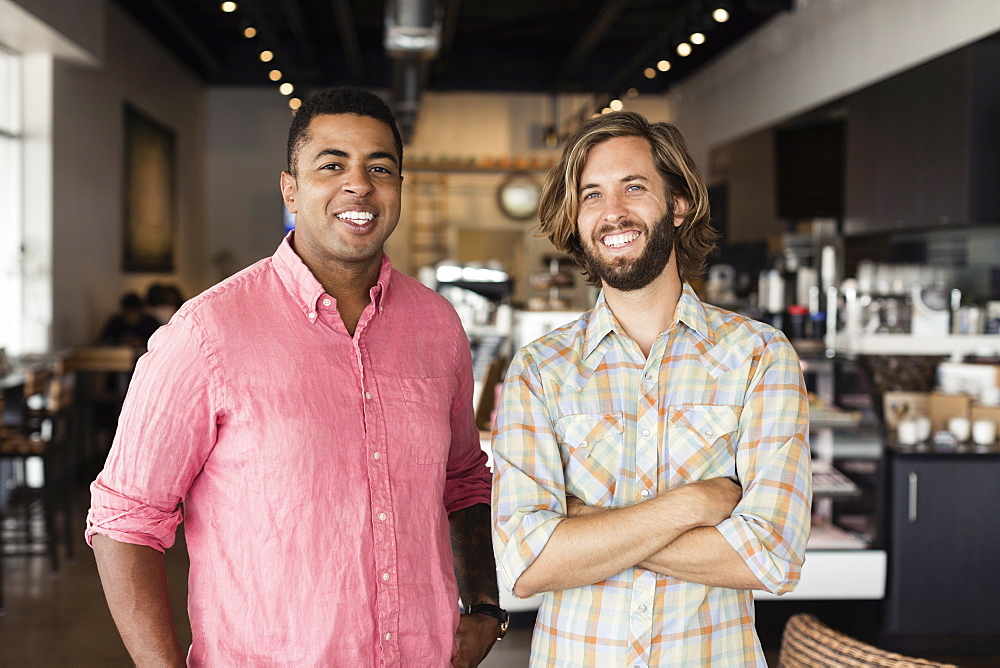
(358, 217)
(619, 240)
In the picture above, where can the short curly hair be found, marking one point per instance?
(560, 202)
(339, 100)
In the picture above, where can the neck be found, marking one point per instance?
(646, 313)
(350, 285)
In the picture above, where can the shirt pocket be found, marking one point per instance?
(591, 446)
(427, 430)
(701, 441)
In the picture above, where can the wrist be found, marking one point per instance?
(496, 612)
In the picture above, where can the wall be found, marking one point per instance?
(88, 174)
(821, 51)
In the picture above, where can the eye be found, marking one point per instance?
(332, 165)
(591, 195)
(381, 169)
(633, 187)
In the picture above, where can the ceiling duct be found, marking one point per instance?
(412, 39)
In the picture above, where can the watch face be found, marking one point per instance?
(518, 196)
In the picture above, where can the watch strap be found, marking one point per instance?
(494, 611)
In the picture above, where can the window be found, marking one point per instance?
(11, 191)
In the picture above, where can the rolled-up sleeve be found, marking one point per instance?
(165, 433)
(770, 526)
(529, 494)
(468, 478)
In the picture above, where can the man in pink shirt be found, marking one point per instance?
(313, 414)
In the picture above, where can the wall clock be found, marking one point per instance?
(518, 196)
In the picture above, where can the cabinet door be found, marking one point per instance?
(943, 576)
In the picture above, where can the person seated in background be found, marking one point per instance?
(162, 301)
(131, 326)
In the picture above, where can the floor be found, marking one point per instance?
(62, 620)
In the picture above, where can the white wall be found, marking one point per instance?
(821, 51)
(88, 174)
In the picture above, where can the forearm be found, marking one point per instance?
(472, 551)
(704, 556)
(592, 547)
(135, 585)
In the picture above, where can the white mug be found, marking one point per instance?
(923, 428)
(959, 428)
(906, 432)
(984, 432)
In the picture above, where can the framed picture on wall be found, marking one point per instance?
(149, 186)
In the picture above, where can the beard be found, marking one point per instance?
(626, 274)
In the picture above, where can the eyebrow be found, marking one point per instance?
(375, 155)
(624, 179)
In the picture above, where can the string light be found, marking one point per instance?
(295, 103)
(720, 15)
(632, 92)
(697, 38)
(249, 32)
(286, 88)
(266, 56)
(649, 72)
(228, 7)
(616, 105)
(274, 75)
(684, 49)
(663, 65)
(605, 110)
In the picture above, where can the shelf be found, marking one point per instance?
(907, 344)
(833, 417)
(829, 482)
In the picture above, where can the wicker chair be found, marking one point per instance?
(809, 643)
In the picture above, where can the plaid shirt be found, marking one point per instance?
(583, 413)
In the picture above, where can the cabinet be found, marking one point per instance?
(944, 516)
(919, 150)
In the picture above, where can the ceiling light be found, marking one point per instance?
(720, 15)
(606, 110)
(616, 105)
(295, 103)
(286, 88)
(649, 72)
(684, 49)
(663, 65)
(275, 75)
(697, 38)
(229, 7)
(266, 56)
(249, 32)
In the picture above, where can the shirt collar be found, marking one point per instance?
(306, 290)
(690, 311)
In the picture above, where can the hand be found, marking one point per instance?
(577, 508)
(474, 639)
(710, 501)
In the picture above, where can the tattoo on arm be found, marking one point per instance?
(472, 549)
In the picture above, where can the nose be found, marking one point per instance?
(358, 182)
(614, 208)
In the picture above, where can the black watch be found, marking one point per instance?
(494, 611)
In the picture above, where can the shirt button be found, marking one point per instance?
(385, 577)
(377, 455)
(312, 316)
(388, 636)
(382, 516)
(708, 433)
(379, 309)
(644, 492)
(584, 444)
(326, 302)
(645, 432)
(368, 395)
(649, 376)
(641, 608)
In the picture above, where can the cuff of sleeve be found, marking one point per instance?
(526, 544)
(776, 574)
(129, 521)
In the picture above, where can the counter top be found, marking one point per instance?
(929, 449)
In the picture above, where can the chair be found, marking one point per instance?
(38, 515)
(809, 643)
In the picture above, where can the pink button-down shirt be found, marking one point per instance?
(317, 470)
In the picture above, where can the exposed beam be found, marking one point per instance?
(591, 37)
(204, 54)
(348, 32)
(297, 23)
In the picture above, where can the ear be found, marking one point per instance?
(288, 190)
(680, 208)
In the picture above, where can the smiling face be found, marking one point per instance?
(626, 222)
(345, 194)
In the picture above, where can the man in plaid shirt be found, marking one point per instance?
(652, 462)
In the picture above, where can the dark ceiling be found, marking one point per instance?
(588, 46)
